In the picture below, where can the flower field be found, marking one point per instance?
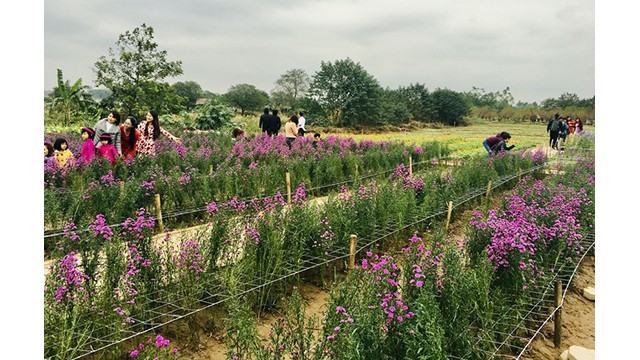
(403, 287)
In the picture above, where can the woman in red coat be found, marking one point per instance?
(129, 136)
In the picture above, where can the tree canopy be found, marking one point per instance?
(347, 94)
(135, 71)
(290, 88)
(247, 97)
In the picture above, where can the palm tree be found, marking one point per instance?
(68, 98)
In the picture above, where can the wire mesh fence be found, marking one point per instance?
(166, 306)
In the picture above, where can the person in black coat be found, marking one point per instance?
(264, 120)
(274, 123)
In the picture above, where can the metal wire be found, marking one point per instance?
(167, 307)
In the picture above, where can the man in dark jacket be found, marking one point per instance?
(553, 128)
(274, 123)
(264, 120)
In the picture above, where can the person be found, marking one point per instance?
(62, 152)
(107, 150)
(49, 152)
(264, 120)
(501, 146)
(491, 141)
(291, 129)
(150, 130)
(108, 125)
(316, 139)
(571, 125)
(129, 135)
(553, 128)
(563, 129)
(274, 123)
(237, 134)
(579, 126)
(88, 148)
(301, 123)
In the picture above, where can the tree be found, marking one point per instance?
(450, 106)
(135, 71)
(189, 90)
(419, 102)
(393, 107)
(347, 93)
(247, 97)
(290, 88)
(69, 99)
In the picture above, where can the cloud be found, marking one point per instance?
(455, 44)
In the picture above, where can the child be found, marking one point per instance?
(237, 134)
(49, 153)
(107, 150)
(88, 148)
(63, 154)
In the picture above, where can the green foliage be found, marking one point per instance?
(70, 102)
(347, 94)
(419, 102)
(134, 72)
(290, 88)
(450, 106)
(189, 90)
(393, 108)
(213, 115)
(246, 97)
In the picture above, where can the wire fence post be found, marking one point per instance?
(353, 239)
(410, 166)
(488, 188)
(121, 189)
(210, 170)
(356, 170)
(446, 227)
(557, 321)
(159, 213)
(288, 176)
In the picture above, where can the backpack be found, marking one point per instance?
(555, 124)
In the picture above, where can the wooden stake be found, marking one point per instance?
(356, 170)
(449, 215)
(519, 174)
(557, 321)
(410, 166)
(121, 189)
(488, 188)
(288, 188)
(159, 213)
(210, 169)
(352, 251)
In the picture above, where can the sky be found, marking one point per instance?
(539, 49)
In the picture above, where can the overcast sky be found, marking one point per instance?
(539, 49)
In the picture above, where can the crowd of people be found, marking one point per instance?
(110, 141)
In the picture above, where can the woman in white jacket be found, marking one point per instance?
(108, 125)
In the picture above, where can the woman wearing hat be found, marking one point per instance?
(108, 125)
(129, 135)
(88, 148)
(107, 150)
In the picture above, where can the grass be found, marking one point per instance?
(463, 141)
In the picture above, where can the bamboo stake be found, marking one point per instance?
(210, 169)
(557, 321)
(410, 166)
(352, 251)
(488, 188)
(519, 174)
(356, 170)
(288, 188)
(449, 215)
(159, 213)
(121, 189)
